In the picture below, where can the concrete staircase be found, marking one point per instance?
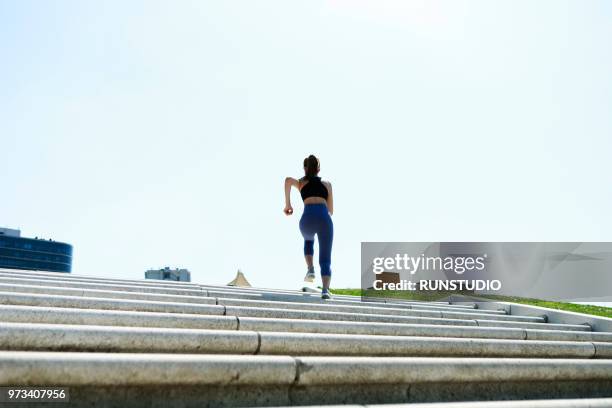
(156, 343)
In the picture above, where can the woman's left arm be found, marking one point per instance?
(330, 198)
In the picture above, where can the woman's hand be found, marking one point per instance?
(288, 183)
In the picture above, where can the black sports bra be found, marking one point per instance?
(314, 188)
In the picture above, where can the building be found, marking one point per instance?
(17, 252)
(181, 275)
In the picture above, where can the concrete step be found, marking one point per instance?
(112, 379)
(59, 315)
(165, 287)
(100, 293)
(244, 311)
(105, 286)
(36, 299)
(527, 325)
(33, 299)
(316, 298)
(42, 368)
(472, 314)
(407, 310)
(194, 293)
(61, 337)
(546, 403)
(54, 276)
(165, 343)
(191, 296)
(86, 278)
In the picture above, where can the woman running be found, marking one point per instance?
(316, 220)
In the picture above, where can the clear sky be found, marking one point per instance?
(153, 133)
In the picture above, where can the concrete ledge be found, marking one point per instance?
(399, 370)
(529, 325)
(503, 317)
(109, 294)
(242, 311)
(103, 286)
(84, 278)
(215, 396)
(59, 337)
(597, 323)
(60, 315)
(28, 299)
(193, 292)
(368, 345)
(48, 368)
(337, 298)
(560, 403)
(45, 368)
(318, 315)
(532, 334)
(548, 403)
(316, 299)
(39, 286)
(603, 350)
(368, 309)
(376, 328)
(448, 308)
(33, 299)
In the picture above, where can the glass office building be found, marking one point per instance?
(17, 252)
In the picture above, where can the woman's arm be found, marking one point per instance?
(289, 181)
(330, 198)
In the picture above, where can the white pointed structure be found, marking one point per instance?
(240, 280)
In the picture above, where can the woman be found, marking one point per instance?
(316, 220)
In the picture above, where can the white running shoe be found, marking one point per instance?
(326, 295)
(310, 276)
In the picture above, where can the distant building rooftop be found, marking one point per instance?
(34, 254)
(9, 232)
(181, 275)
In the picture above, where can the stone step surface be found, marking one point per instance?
(59, 337)
(298, 303)
(194, 292)
(449, 318)
(143, 343)
(44, 368)
(86, 278)
(72, 316)
(128, 379)
(560, 403)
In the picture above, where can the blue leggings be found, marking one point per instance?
(316, 220)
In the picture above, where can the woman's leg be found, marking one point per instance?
(308, 234)
(308, 253)
(326, 281)
(308, 259)
(326, 238)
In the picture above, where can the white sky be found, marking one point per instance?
(153, 133)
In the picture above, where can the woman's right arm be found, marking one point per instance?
(289, 181)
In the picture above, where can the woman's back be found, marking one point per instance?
(313, 190)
